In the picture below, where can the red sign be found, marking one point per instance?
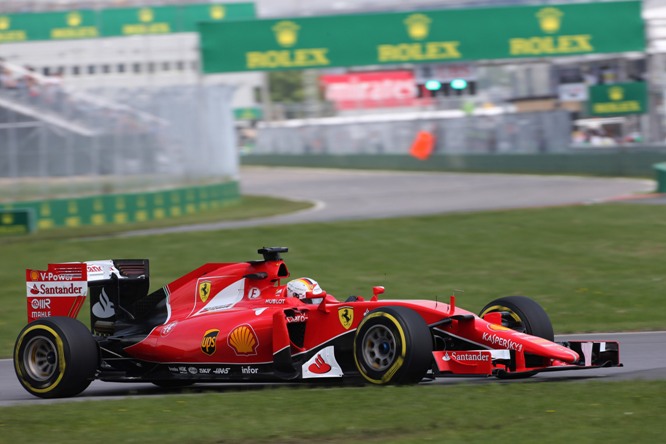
(384, 89)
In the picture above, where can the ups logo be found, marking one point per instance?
(209, 342)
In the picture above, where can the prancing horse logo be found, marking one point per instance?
(346, 316)
(204, 290)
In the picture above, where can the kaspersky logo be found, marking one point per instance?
(418, 26)
(286, 33)
(550, 19)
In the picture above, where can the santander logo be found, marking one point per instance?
(320, 366)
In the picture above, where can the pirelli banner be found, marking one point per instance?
(115, 22)
(425, 36)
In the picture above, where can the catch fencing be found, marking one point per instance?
(58, 143)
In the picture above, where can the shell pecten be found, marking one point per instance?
(243, 340)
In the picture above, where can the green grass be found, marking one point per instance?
(593, 268)
(551, 412)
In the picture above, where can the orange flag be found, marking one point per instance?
(423, 145)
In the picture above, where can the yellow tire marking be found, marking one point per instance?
(398, 363)
(61, 358)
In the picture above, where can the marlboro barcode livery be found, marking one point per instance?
(245, 321)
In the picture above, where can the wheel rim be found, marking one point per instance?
(379, 347)
(510, 319)
(40, 359)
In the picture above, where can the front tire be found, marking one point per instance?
(55, 357)
(393, 345)
(522, 314)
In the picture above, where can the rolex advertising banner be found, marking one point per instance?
(114, 22)
(618, 99)
(422, 37)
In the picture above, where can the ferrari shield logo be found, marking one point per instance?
(204, 290)
(346, 316)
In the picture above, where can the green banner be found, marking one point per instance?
(112, 22)
(124, 208)
(422, 37)
(618, 99)
(17, 221)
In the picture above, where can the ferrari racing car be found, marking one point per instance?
(238, 322)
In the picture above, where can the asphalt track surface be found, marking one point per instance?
(354, 195)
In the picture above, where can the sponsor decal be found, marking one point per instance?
(204, 370)
(459, 356)
(322, 365)
(104, 308)
(192, 370)
(299, 317)
(204, 290)
(221, 370)
(276, 301)
(254, 293)
(346, 316)
(43, 304)
(247, 370)
(501, 342)
(243, 340)
(209, 341)
(54, 289)
(225, 298)
(168, 328)
(258, 311)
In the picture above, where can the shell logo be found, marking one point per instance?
(146, 15)
(243, 340)
(616, 93)
(418, 26)
(34, 275)
(4, 23)
(286, 33)
(74, 19)
(550, 19)
(217, 12)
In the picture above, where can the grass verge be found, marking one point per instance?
(552, 412)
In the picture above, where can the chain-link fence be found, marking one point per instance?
(394, 134)
(58, 143)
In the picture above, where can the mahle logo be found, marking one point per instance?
(4, 23)
(74, 19)
(550, 19)
(217, 12)
(146, 15)
(616, 93)
(286, 33)
(418, 26)
(209, 341)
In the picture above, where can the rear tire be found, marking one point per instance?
(55, 357)
(393, 345)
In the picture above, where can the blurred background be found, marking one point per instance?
(116, 98)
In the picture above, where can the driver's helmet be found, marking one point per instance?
(303, 288)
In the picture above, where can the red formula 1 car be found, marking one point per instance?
(234, 322)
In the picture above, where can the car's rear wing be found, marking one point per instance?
(61, 289)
